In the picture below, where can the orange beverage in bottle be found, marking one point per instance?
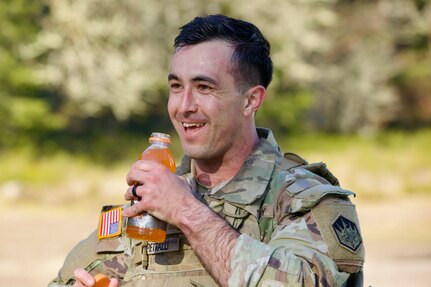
(145, 226)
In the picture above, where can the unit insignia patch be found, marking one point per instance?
(347, 233)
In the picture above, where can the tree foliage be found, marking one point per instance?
(111, 55)
(340, 66)
(24, 109)
(375, 48)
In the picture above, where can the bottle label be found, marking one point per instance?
(146, 220)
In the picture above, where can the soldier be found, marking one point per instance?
(240, 212)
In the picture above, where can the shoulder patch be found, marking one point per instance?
(347, 233)
(110, 223)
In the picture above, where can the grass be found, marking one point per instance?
(384, 165)
(391, 163)
(58, 179)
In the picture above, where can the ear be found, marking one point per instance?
(253, 99)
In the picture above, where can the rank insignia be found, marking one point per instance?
(110, 223)
(347, 233)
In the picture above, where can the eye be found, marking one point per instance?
(175, 86)
(204, 88)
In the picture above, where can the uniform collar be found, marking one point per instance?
(251, 182)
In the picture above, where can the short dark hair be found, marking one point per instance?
(251, 56)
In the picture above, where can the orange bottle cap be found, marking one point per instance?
(101, 280)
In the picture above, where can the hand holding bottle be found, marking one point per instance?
(144, 226)
(163, 194)
(85, 279)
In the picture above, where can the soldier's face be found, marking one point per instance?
(205, 105)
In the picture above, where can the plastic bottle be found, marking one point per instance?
(144, 226)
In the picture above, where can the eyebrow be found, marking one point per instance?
(204, 79)
(194, 79)
(172, 77)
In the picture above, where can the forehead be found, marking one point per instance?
(209, 58)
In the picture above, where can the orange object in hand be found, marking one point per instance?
(101, 280)
(144, 226)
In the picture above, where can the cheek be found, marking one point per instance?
(172, 108)
(232, 111)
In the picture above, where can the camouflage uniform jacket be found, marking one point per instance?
(298, 228)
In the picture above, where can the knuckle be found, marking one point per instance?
(159, 168)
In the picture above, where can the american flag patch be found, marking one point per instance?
(110, 223)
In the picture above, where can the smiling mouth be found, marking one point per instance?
(192, 127)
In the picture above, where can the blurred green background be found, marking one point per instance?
(83, 83)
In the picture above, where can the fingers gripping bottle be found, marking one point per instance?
(144, 226)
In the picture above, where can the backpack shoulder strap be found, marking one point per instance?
(292, 160)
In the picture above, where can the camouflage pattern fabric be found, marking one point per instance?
(109, 256)
(289, 248)
(298, 229)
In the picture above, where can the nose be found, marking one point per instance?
(188, 102)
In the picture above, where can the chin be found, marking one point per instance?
(194, 154)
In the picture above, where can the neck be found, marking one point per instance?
(211, 172)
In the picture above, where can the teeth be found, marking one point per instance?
(191, 125)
